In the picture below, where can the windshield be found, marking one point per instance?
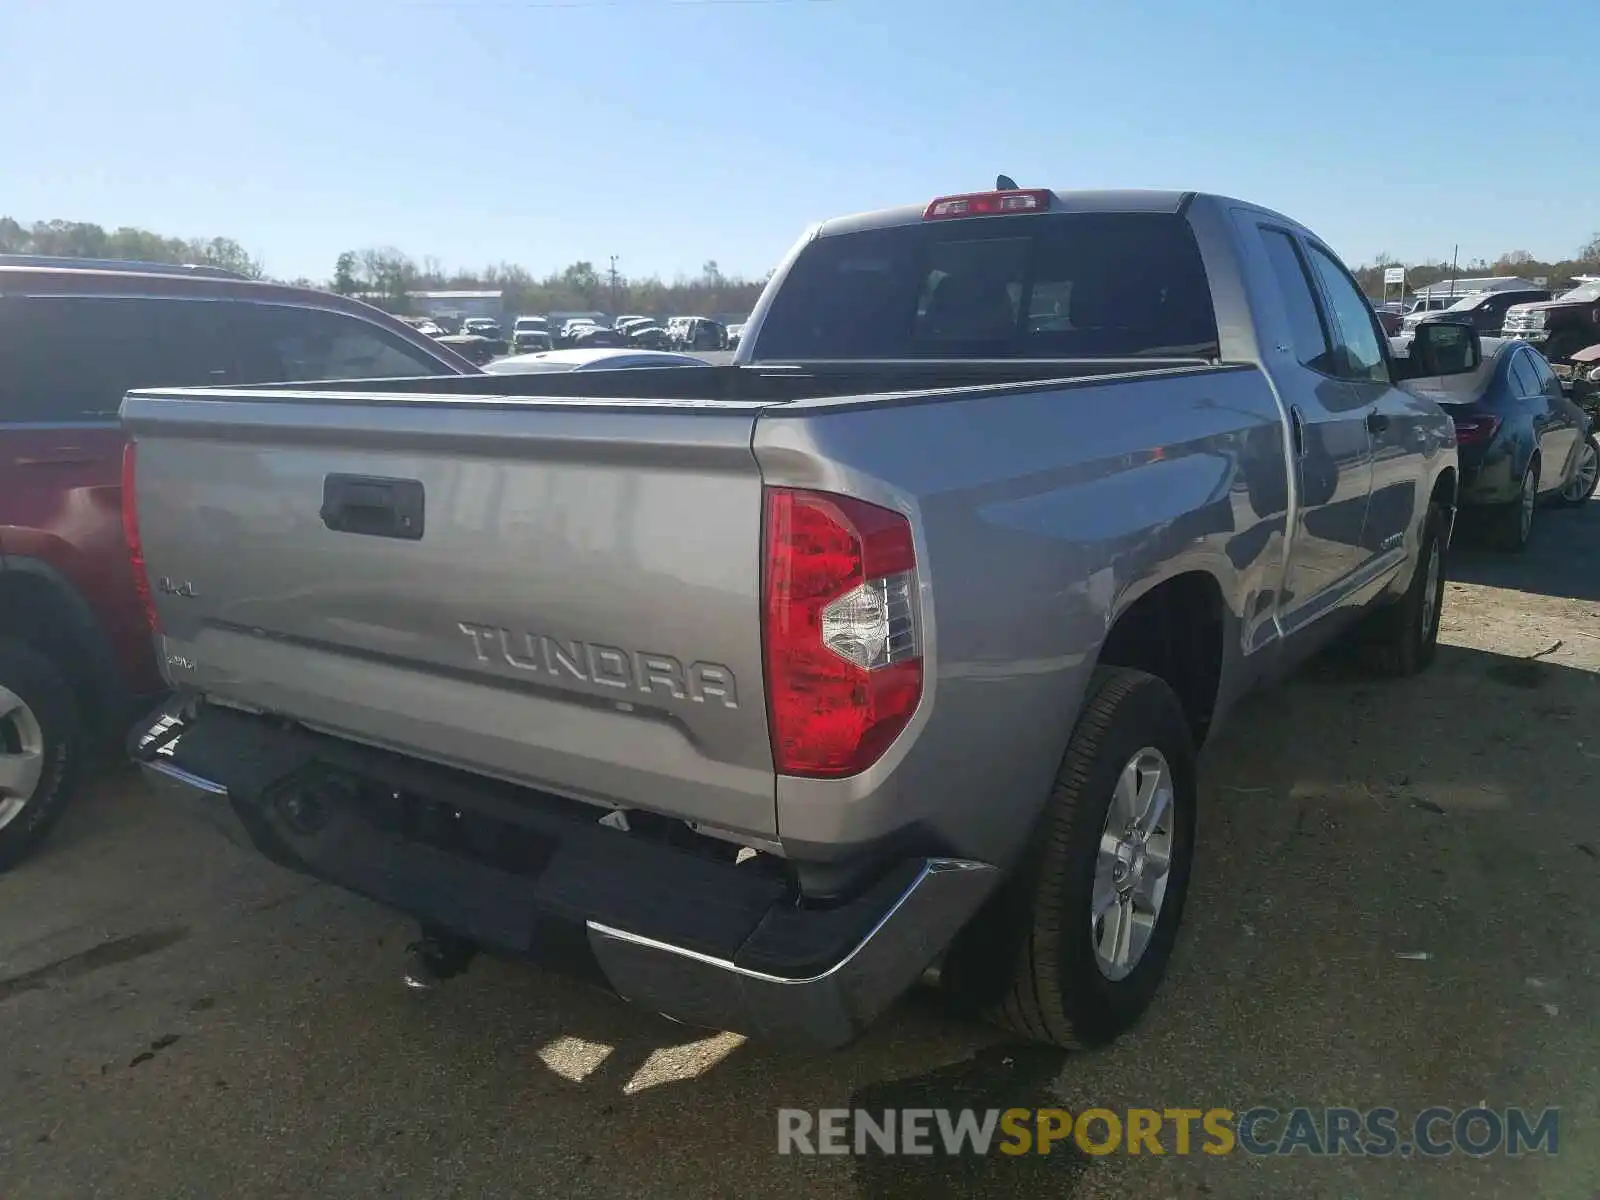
(1586, 291)
(1089, 285)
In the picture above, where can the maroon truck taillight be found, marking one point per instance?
(130, 534)
(839, 627)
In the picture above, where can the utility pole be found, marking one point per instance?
(613, 287)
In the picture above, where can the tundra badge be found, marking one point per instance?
(608, 666)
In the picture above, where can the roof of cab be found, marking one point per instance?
(1128, 200)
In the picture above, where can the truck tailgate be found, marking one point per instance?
(564, 593)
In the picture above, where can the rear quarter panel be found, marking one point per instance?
(61, 506)
(1040, 515)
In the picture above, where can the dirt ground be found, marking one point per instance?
(181, 1019)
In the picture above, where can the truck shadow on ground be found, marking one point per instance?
(1391, 905)
(1410, 841)
(1557, 562)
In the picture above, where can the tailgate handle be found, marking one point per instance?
(372, 506)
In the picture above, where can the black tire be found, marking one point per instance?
(1403, 638)
(1028, 962)
(1576, 499)
(1509, 527)
(48, 701)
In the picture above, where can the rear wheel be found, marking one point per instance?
(1511, 525)
(1073, 949)
(1585, 474)
(41, 741)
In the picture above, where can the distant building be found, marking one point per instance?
(1482, 283)
(460, 304)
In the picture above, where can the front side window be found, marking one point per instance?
(1358, 352)
(282, 344)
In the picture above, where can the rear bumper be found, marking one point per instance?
(701, 940)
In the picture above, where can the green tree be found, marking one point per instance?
(344, 274)
(582, 282)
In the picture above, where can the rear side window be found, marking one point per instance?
(72, 358)
(1524, 379)
(282, 344)
(1082, 285)
(1307, 333)
(1541, 368)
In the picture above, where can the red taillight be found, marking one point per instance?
(843, 655)
(979, 204)
(1471, 431)
(130, 534)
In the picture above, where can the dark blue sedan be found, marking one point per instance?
(1521, 441)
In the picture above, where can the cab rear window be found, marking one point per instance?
(1078, 285)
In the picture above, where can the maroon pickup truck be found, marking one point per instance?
(75, 649)
(1559, 327)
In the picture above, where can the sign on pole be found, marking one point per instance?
(1394, 275)
(1541, 281)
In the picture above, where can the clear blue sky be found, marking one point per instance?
(668, 133)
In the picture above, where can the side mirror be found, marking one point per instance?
(1443, 348)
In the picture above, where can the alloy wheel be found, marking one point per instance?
(1133, 864)
(21, 755)
(1582, 483)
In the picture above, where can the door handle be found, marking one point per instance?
(373, 507)
(1377, 422)
(1297, 430)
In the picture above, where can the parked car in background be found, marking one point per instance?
(486, 327)
(696, 333)
(1559, 327)
(595, 336)
(735, 332)
(648, 337)
(1388, 316)
(529, 334)
(623, 322)
(571, 329)
(1484, 311)
(76, 662)
(602, 359)
(1521, 441)
(754, 691)
(425, 326)
(476, 350)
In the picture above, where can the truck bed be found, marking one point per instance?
(576, 604)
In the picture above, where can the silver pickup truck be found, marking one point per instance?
(758, 693)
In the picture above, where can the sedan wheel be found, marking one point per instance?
(1585, 474)
(1511, 525)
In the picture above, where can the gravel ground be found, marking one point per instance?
(183, 1019)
